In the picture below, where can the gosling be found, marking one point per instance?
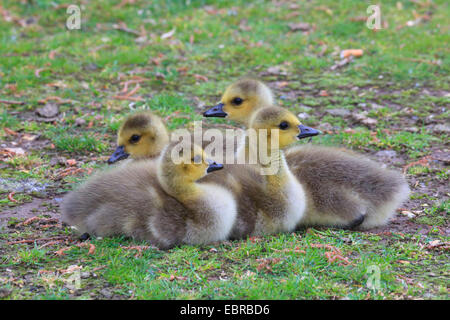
(342, 189)
(160, 201)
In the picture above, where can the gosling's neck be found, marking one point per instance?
(272, 157)
(272, 165)
(179, 187)
(182, 189)
(275, 169)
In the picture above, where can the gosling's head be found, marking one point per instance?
(181, 165)
(285, 122)
(185, 162)
(241, 100)
(142, 135)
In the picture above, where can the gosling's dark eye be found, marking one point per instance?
(237, 101)
(283, 125)
(135, 138)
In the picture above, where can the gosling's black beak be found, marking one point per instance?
(118, 155)
(216, 111)
(214, 166)
(306, 132)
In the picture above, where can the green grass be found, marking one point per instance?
(413, 144)
(264, 268)
(69, 141)
(401, 81)
(437, 215)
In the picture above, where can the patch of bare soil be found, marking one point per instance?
(37, 207)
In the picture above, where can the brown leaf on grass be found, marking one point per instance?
(133, 91)
(38, 71)
(50, 243)
(11, 87)
(408, 213)
(10, 132)
(243, 25)
(70, 171)
(121, 26)
(91, 248)
(57, 84)
(8, 17)
(52, 54)
(333, 256)
(172, 278)
(282, 84)
(38, 239)
(276, 70)
(168, 34)
(128, 95)
(266, 263)
(28, 221)
(29, 137)
(255, 239)
(364, 119)
(6, 154)
(15, 151)
(50, 110)
(295, 250)
(299, 26)
(156, 61)
(200, 77)
(342, 63)
(138, 248)
(71, 162)
(61, 252)
(351, 52)
(58, 100)
(437, 244)
(421, 162)
(10, 197)
(210, 10)
(358, 19)
(11, 102)
(182, 70)
(292, 14)
(324, 9)
(71, 269)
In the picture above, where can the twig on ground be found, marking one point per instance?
(11, 102)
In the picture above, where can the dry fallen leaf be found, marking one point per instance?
(10, 197)
(351, 52)
(10, 132)
(71, 162)
(15, 151)
(168, 34)
(300, 26)
(50, 110)
(409, 214)
(52, 54)
(37, 73)
(200, 77)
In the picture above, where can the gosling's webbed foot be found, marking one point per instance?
(357, 222)
(85, 236)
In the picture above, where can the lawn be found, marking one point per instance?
(64, 92)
